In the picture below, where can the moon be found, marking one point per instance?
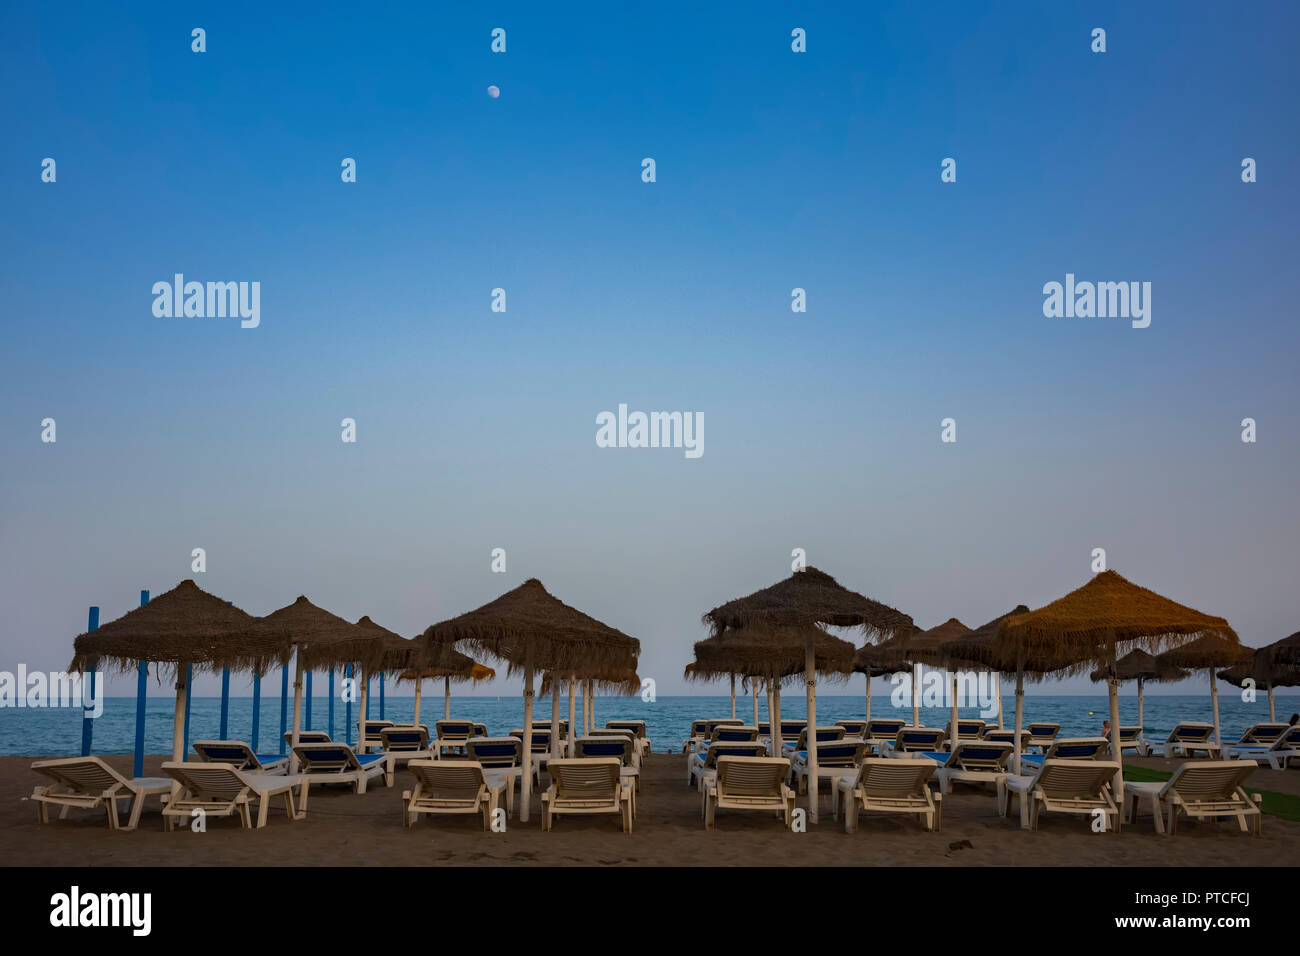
(493, 92)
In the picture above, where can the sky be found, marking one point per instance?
(774, 170)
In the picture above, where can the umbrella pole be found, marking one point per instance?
(178, 724)
(753, 686)
(916, 695)
(573, 713)
(555, 716)
(446, 697)
(733, 696)
(771, 709)
(361, 720)
(1214, 700)
(1141, 727)
(776, 719)
(419, 687)
(1271, 714)
(810, 681)
(868, 695)
(526, 781)
(297, 712)
(1020, 713)
(953, 735)
(1117, 754)
(591, 690)
(997, 684)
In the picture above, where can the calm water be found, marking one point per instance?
(58, 731)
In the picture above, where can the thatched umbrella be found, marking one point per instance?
(879, 660)
(451, 665)
(976, 648)
(806, 599)
(182, 629)
(1274, 665)
(928, 647)
(1140, 666)
(1087, 626)
(1208, 652)
(532, 630)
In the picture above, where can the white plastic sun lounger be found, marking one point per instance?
(1201, 789)
(800, 741)
(405, 743)
(338, 763)
(1278, 755)
(1069, 748)
(220, 789)
(87, 783)
(451, 786)
(836, 759)
(1189, 738)
(974, 761)
(239, 754)
(890, 785)
(587, 785)
(1062, 786)
(702, 766)
(749, 783)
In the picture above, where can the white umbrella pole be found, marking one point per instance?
(1141, 727)
(753, 686)
(592, 691)
(573, 713)
(997, 684)
(1117, 754)
(297, 712)
(1214, 700)
(361, 727)
(810, 681)
(733, 696)
(771, 709)
(1020, 713)
(868, 695)
(776, 719)
(178, 727)
(586, 706)
(419, 686)
(916, 695)
(526, 781)
(1271, 714)
(446, 697)
(953, 735)
(555, 716)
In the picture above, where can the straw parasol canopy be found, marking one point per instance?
(929, 647)
(1137, 664)
(809, 597)
(560, 637)
(1209, 651)
(389, 651)
(977, 647)
(323, 639)
(184, 626)
(1282, 656)
(771, 652)
(1089, 622)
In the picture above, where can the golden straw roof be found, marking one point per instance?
(1086, 623)
(1212, 650)
(389, 651)
(621, 682)
(929, 646)
(805, 598)
(185, 625)
(773, 652)
(977, 648)
(323, 639)
(528, 622)
(1137, 664)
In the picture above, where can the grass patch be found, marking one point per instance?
(1284, 806)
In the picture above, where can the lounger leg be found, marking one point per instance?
(1003, 797)
(42, 812)
(111, 803)
(1157, 813)
(1173, 818)
(938, 812)
(361, 782)
(850, 812)
(302, 799)
(288, 805)
(627, 811)
(263, 806)
(709, 810)
(1026, 821)
(137, 807)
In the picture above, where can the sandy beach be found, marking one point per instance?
(343, 829)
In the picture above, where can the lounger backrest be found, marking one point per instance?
(981, 755)
(327, 758)
(1129, 734)
(838, 754)
(1209, 779)
(234, 752)
(998, 735)
(1190, 733)
(765, 728)
(618, 747)
(1044, 729)
(740, 749)
(1074, 778)
(448, 779)
(734, 732)
(480, 730)
(792, 728)
(207, 781)
(636, 726)
(400, 739)
(496, 751)
(307, 737)
(854, 728)
(89, 775)
(1082, 748)
(698, 727)
(1288, 740)
(884, 728)
(454, 729)
(714, 723)
(884, 777)
(912, 739)
(544, 723)
(751, 776)
(967, 729)
(373, 728)
(1264, 733)
(586, 778)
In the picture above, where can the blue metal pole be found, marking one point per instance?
(141, 690)
(225, 702)
(257, 710)
(88, 722)
(189, 699)
(381, 696)
(307, 726)
(331, 704)
(284, 704)
(347, 709)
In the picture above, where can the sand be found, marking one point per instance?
(343, 829)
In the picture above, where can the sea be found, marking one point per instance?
(58, 731)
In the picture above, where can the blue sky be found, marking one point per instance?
(775, 170)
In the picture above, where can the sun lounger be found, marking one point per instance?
(1130, 738)
(1278, 755)
(1000, 735)
(307, 737)
(87, 783)
(1261, 735)
(835, 759)
(638, 730)
(889, 785)
(451, 735)
(702, 730)
(220, 789)
(369, 732)
(501, 759)
(587, 785)
(452, 786)
(1190, 738)
(339, 763)
(853, 728)
(480, 730)
(1069, 748)
(1041, 734)
(967, 729)
(800, 741)
(749, 783)
(974, 761)
(882, 731)
(701, 764)
(239, 754)
(405, 743)
(916, 740)
(622, 749)
(1201, 789)
(1062, 786)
